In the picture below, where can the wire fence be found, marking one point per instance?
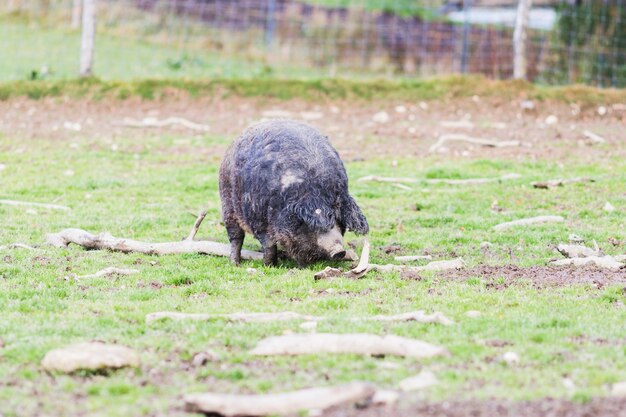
(573, 41)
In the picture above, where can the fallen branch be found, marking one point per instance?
(235, 317)
(559, 182)
(359, 343)
(595, 138)
(108, 242)
(231, 405)
(108, 272)
(475, 141)
(18, 246)
(469, 181)
(376, 178)
(330, 272)
(527, 222)
(31, 204)
(170, 121)
(607, 261)
(576, 251)
(456, 263)
(450, 181)
(413, 258)
(196, 226)
(419, 316)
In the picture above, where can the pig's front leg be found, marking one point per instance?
(270, 251)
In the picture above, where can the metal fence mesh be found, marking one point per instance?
(568, 41)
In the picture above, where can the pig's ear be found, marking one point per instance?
(352, 218)
(315, 215)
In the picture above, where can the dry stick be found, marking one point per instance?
(18, 246)
(358, 343)
(468, 181)
(526, 222)
(476, 141)
(196, 226)
(231, 405)
(559, 182)
(419, 316)
(108, 272)
(595, 138)
(450, 181)
(170, 121)
(31, 204)
(107, 241)
(607, 261)
(330, 272)
(413, 258)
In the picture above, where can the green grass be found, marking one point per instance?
(145, 191)
(27, 48)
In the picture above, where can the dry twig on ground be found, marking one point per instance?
(108, 242)
(31, 204)
(474, 141)
(231, 405)
(527, 222)
(359, 343)
(170, 121)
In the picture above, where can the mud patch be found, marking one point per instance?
(605, 407)
(500, 277)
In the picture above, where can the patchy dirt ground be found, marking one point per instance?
(553, 130)
(596, 407)
(539, 276)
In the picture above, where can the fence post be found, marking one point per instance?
(519, 39)
(467, 4)
(88, 38)
(76, 11)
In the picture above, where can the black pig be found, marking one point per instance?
(282, 181)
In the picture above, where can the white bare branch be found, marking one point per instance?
(358, 343)
(31, 204)
(231, 405)
(527, 222)
(455, 137)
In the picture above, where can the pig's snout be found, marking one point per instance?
(338, 253)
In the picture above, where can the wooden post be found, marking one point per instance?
(76, 13)
(519, 39)
(88, 38)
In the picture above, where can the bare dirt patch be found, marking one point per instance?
(356, 128)
(605, 407)
(499, 277)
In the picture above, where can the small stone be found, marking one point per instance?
(608, 207)
(76, 127)
(251, 271)
(69, 173)
(90, 356)
(602, 110)
(423, 105)
(31, 212)
(309, 325)
(202, 358)
(385, 397)
(527, 105)
(381, 117)
(400, 109)
(619, 389)
(551, 120)
(569, 384)
(574, 238)
(510, 358)
(389, 365)
(473, 313)
(311, 115)
(420, 381)
(2, 167)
